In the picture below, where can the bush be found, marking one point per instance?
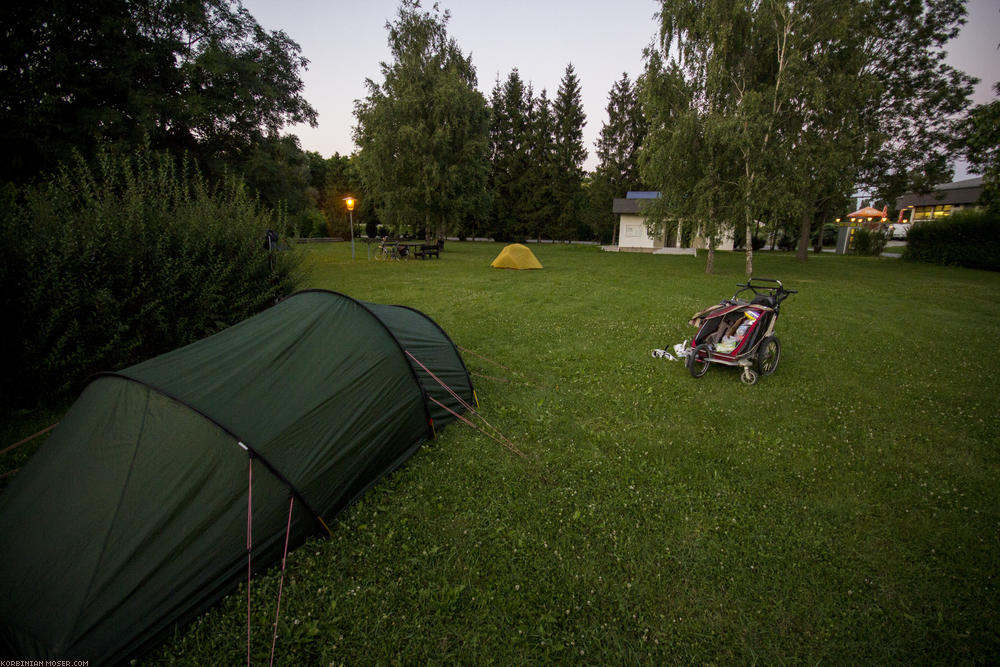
(829, 232)
(314, 224)
(968, 238)
(787, 242)
(105, 266)
(869, 242)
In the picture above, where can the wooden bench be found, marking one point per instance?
(428, 250)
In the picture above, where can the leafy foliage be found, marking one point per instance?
(422, 133)
(806, 98)
(967, 238)
(199, 76)
(108, 265)
(688, 156)
(981, 135)
(333, 180)
(869, 242)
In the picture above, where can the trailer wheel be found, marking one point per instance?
(768, 355)
(698, 361)
(749, 375)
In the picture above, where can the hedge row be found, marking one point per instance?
(106, 265)
(970, 239)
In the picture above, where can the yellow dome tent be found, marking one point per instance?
(516, 256)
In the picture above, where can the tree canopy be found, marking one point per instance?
(423, 132)
(569, 154)
(200, 76)
(981, 133)
(808, 98)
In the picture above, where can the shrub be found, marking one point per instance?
(869, 242)
(829, 231)
(314, 223)
(107, 265)
(968, 238)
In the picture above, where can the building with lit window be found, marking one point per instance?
(940, 202)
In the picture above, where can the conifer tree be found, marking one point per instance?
(542, 172)
(621, 137)
(510, 144)
(618, 148)
(569, 155)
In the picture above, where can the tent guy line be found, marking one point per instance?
(500, 437)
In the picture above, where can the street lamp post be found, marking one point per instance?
(350, 211)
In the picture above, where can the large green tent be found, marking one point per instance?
(133, 517)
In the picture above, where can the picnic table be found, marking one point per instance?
(403, 249)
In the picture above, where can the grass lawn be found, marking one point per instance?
(844, 510)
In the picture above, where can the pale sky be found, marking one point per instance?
(346, 41)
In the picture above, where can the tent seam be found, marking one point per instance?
(402, 350)
(118, 507)
(239, 439)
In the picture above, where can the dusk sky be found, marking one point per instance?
(346, 41)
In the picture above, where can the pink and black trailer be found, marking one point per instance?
(740, 332)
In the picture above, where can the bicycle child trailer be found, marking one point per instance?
(738, 332)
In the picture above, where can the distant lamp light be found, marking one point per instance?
(350, 211)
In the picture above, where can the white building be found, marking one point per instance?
(634, 236)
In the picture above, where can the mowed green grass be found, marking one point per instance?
(844, 510)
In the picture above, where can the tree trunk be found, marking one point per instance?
(710, 262)
(749, 240)
(818, 245)
(802, 251)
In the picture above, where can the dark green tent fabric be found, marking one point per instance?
(133, 516)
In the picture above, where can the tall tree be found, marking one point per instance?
(900, 127)
(922, 97)
(569, 154)
(541, 176)
(621, 137)
(740, 54)
(776, 75)
(200, 76)
(981, 134)
(688, 155)
(618, 147)
(510, 148)
(423, 133)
